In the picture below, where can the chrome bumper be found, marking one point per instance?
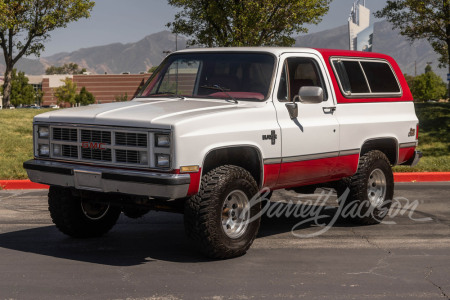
(161, 185)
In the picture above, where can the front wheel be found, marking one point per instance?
(221, 218)
(370, 191)
(78, 217)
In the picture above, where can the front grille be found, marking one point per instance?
(96, 154)
(65, 134)
(128, 156)
(96, 136)
(69, 151)
(131, 139)
(101, 144)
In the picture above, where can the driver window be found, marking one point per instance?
(298, 73)
(283, 87)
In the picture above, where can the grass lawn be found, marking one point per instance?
(434, 138)
(16, 139)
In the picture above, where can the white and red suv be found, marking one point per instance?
(212, 127)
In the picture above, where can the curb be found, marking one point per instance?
(21, 185)
(398, 177)
(422, 176)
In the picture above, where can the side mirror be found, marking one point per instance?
(310, 94)
(307, 95)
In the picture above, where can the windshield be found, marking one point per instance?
(242, 76)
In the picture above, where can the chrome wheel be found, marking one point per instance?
(235, 216)
(376, 188)
(94, 211)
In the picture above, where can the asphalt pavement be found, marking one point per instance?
(296, 255)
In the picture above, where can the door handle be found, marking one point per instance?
(329, 110)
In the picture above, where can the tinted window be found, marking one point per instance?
(283, 87)
(212, 75)
(342, 75)
(380, 77)
(179, 78)
(356, 77)
(302, 72)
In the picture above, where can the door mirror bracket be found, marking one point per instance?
(292, 108)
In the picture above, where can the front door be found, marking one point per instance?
(310, 142)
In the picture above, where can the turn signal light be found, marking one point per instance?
(188, 169)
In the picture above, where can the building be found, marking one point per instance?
(359, 27)
(105, 88)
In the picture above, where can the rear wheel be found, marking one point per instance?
(219, 218)
(370, 190)
(78, 217)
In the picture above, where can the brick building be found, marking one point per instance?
(105, 88)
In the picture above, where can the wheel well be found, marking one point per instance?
(245, 157)
(386, 145)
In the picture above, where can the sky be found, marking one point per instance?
(119, 21)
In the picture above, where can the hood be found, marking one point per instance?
(136, 113)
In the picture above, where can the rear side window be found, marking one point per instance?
(380, 77)
(363, 77)
(355, 76)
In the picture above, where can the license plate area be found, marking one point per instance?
(88, 180)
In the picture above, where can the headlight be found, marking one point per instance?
(43, 150)
(162, 140)
(162, 160)
(43, 132)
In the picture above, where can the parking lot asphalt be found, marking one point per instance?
(407, 257)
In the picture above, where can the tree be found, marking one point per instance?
(84, 97)
(245, 22)
(428, 86)
(39, 94)
(70, 68)
(25, 25)
(410, 81)
(66, 93)
(21, 91)
(152, 69)
(422, 20)
(121, 98)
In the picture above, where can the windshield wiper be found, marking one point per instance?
(171, 94)
(217, 87)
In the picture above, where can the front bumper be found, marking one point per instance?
(152, 184)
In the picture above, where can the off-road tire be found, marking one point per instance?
(68, 216)
(203, 212)
(371, 163)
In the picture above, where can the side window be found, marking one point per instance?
(365, 76)
(356, 77)
(299, 72)
(342, 75)
(380, 77)
(283, 87)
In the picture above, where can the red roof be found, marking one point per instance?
(327, 53)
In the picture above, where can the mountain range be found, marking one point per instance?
(140, 56)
